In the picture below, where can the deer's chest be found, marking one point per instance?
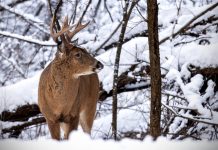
(65, 99)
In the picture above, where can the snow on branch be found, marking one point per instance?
(210, 122)
(15, 65)
(109, 37)
(186, 26)
(194, 98)
(28, 18)
(28, 39)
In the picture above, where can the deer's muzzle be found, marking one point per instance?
(99, 66)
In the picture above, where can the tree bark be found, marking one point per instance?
(155, 113)
(116, 70)
(126, 16)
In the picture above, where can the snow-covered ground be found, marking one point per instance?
(80, 141)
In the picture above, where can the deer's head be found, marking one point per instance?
(78, 61)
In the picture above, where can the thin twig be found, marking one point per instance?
(105, 5)
(145, 20)
(73, 17)
(84, 12)
(14, 3)
(27, 39)
(34, 22)
(109, 37)
(15, 66)
(55, 12)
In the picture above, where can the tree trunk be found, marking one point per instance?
(155, 113)
(126, 16)
(116, 70)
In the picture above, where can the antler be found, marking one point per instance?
(64, 29)
(79, 27)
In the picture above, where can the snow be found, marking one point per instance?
(191, 92)
(80, 141)
(128, 56)
(199, 55)
(135, 121)
(20, 93)
(28, 39)
(167, 16)
(185, 73)
(133, 107)
(27, 16)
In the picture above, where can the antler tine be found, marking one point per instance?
(78, 28)
(64, 29)
(52, 29)
(65, 23)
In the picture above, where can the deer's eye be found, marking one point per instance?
(78, 55)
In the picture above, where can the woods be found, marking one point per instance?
(160, 74)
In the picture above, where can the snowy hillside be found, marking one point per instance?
(188, 35)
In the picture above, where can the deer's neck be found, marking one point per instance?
(63, 77)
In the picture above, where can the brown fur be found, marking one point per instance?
(69, 90)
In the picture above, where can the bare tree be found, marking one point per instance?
(155, 113)
(126, 16)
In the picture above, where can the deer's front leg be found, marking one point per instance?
(87, 117)
(54, 128)
(69, 126)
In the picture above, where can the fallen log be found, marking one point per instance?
(22, 113)
(15, 131)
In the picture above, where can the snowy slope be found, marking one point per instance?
(20, 93)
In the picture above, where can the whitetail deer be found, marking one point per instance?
(69, 85)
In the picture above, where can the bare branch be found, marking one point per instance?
(109, 37)
(73, 17)
(105, 5)
(188, 117)
(185, 27)
(145, 20)
(27, 39)
(16, 130)
(15, 66)
(28, 18)
(37, 12)
(84, 12)
(125, 40)
(14, 3)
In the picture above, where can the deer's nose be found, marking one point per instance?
(99, 65)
